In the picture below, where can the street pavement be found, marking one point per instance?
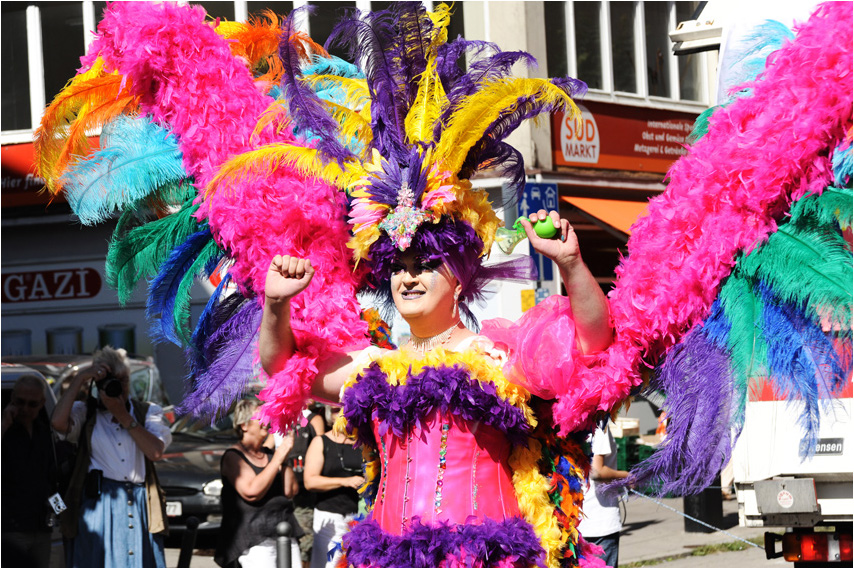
(654, 532)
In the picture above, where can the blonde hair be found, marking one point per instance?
(243, 411)
(116, 360)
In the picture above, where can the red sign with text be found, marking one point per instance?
(617, 137)
(63, 284)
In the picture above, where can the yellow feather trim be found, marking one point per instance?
(482, 108)
(532, 493)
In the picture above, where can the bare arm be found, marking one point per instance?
(287, 277)
(314, 481)
(601, 473)
(61, 417)
(319, 424)
(589, 306)
(250, 486)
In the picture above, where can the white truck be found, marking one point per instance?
(810, 499)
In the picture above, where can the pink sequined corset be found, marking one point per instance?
(448, 470)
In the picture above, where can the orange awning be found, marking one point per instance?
(616, 213)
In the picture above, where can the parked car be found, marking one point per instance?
(59, 369)
(189, 471)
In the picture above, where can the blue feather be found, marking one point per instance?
(843, 164)
(803, 363)
(204, 328)
(169, 290)
(136, 158)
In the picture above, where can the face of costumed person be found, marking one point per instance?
(422, 287)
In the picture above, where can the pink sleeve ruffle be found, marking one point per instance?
(540, 347)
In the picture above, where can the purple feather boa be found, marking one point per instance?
(511, 542)
(446, 389)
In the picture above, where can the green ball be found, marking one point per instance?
(545, 228)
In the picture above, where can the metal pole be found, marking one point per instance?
(283, 545)
(188, 543)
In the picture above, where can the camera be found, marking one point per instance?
(110, 386)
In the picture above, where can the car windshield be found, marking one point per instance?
(202, 427)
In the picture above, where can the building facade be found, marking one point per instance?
(599, 171)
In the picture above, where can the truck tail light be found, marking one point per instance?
(817, 547)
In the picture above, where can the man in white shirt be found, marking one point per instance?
(601, 523)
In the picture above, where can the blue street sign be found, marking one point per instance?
(534, 198)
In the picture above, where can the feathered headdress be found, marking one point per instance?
(423, 126)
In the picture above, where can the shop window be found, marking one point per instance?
(281, 9)
(221, 10)
(588, 43)
(656, 17)
(15, 74)
(690, 87)
(623, 46)
(62, 43)
(555, 15)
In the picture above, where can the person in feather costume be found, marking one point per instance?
(451, 426)
(716, 247)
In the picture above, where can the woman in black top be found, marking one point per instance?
(256, 495)
(333, 469)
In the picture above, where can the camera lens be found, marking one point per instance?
(111, 387)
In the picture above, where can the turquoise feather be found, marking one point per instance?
(136, 158)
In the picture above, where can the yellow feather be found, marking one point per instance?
(353, 123)
(429, 104)
(86, 103)
(441, 18)
(355, 91)
(276, 113)
(229, 29)
(266, 159)
(481, 109)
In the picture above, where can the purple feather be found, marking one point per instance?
(448, 58)
(696, 380)
(306, 109)
(449, 390)
(224, 381)
(367, 39)
(488, 543)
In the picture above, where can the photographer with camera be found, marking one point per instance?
(116, 512)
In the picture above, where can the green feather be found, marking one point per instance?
(807, 263)
(138, 252)
(746, 340)
(181, 313)
(834, 205)
(701, 125)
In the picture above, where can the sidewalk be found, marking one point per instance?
(652, 531)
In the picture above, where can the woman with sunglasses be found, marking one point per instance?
(333, 469)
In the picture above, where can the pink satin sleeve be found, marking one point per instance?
(540, 347)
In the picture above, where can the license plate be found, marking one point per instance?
(173, 509)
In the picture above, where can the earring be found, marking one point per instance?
(456, 304)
